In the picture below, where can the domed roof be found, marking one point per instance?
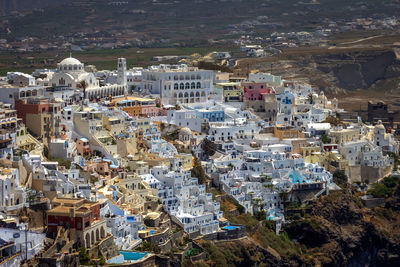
(70, 61)
(380, 125)
(185, 131)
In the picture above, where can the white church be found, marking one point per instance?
(71, 73)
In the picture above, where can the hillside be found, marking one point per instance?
(185, 22)
(337, 230)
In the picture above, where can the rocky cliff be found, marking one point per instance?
(359, 70)
(341, 232)
(340, 71)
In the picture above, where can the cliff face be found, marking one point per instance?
(359, 70)
(340, 71)
(340, 232)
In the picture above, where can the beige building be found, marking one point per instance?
(343, 136)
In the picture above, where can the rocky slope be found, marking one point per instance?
(341, 232)
(338, 71)
(336, 230)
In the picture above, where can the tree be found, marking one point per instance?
(198, 171)
(310, 98)
(83, 85)
(333, 120)
(380, 191)
(83, 256)
(340, 178)
(209, 147)
(325, 139)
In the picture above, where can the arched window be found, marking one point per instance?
(198, 85)
(187, 77)
(193, 86)
(61, 81)
(193, 77)
(187, 86)
(198, 77)
(182, 86)
(75, 67)
(181, 77)
(176, 77)
(176, 86)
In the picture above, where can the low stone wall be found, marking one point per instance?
(167, 246)
(194, 235)
(201, 256)
(373, 202)
(176, 237)
(224, 234)
(107, 248)
(158, 238)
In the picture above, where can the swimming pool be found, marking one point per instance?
(132, 255)
(229, 227)
(127, 256)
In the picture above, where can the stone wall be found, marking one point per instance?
(158, 238)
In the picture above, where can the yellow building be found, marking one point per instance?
(285, 132)
(311, 154)
(232, 91)
(186, 160)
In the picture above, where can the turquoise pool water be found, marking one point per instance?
(132, 256)
(127, 256)
(229, 227)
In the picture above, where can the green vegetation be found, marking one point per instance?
(148, 247)
(147, 221)
(198, 171)
(61, 162)
(83, 256)
(386, 188)
(208, 147)
(325, 139)
(340, 178)
(333, 120)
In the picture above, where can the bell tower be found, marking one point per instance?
(121, 78)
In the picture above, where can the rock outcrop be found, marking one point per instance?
(346, 234)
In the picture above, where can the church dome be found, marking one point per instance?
(185, 131)
(70, 64)
(380, 126)
(70, 61)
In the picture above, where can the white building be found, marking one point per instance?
(178, 83)
(71, 73)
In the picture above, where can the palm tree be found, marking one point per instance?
(83, 85)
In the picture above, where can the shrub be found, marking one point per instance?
(340, 178)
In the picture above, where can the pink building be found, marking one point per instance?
(255, 91)
(82, 147)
